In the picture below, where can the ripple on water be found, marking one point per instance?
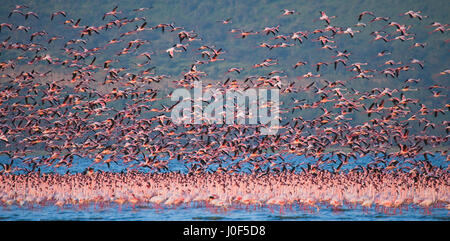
(209, 218)
(202, 214)
(296, 217)
(447, 218)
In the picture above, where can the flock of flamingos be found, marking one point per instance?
(101, 110)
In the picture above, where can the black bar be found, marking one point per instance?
(229, 230)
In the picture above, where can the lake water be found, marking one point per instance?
(148, 213)
(184, 213)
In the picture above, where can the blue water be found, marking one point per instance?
(148, 213)
(183, 213)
